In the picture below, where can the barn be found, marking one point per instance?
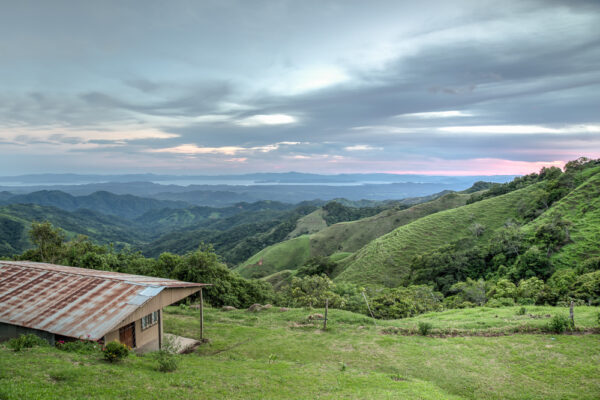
(64, 303)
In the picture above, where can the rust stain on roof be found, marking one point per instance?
(70, 301)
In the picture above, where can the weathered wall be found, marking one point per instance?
(147, 339)
(112, 336)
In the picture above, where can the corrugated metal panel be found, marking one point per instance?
(140, 279)
(70, 301)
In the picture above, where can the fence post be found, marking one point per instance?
(370, 312)
(326, 308)
(572, 314)
(201, 316)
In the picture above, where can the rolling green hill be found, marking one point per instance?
(311, 223)
(581, 208)
(341, 238)
(290, 254)
(351, 236)
(385, 260)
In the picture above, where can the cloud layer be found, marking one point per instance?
(316, 86)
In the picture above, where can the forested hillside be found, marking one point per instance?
(16, 219)
(124, 205)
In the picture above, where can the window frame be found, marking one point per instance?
(150, 320)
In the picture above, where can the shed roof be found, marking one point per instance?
(70, 301)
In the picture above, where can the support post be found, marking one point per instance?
(160, 329)
(370, 312)
(201, 316)
(572, 314)
(326, 309)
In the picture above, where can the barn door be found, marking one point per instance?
(127, 335)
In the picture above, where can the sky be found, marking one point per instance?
(325, 86)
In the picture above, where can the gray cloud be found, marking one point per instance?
(191, 73)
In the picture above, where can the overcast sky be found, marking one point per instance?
(437, 87)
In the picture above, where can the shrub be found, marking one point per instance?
(501, 302)
(26, 341)
(166, 356)
(521, 311)
(424, 328)
(78, 346)
(115, 351)
(526, 302)
(167, 362)
(560, 324)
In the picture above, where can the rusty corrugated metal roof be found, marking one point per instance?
(69, 301)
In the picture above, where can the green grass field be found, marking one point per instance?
(281, 355)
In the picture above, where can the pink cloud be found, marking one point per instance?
(479, 166)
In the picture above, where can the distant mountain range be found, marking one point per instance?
(257, 178)
(227, 190)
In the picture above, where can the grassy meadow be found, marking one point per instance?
(282, 355)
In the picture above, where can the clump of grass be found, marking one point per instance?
(78, 346)
(26, 341)
(62, 375)
(167, 362)
(424, 328)
(521, 311)
(390, 330)
(166, 356)
(272, 358)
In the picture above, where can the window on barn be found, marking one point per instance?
(149, 320)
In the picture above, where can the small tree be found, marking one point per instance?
(503, 289)
(532, 288)
(48, 241)
(477, 229)
(311, 291)
(472, 290)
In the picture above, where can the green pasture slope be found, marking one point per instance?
(311, 223)
(385, 260)
(289, 254)
(280, 355)
(343, 237)
(581, 207)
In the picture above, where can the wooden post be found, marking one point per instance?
(572, 314)
(370, 312)
(201, 316)
(326, 308)
(160, 329)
